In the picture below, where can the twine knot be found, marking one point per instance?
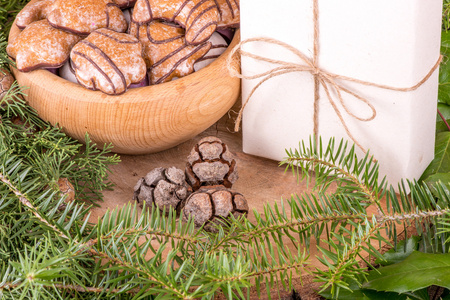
(316, 71)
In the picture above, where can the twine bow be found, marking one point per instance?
(328, 80)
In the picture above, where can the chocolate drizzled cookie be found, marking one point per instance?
(165, 51)
(229, 11)
(218, 46)
(108, 61)
(198, 17)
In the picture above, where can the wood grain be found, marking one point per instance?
(141, 121)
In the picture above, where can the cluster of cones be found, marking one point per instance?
(202, 190)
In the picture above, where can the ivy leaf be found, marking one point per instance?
(444, 69)
(394, 256)
(418, 271)
(441, 161)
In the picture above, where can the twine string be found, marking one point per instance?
(317, 74)
(328, 80)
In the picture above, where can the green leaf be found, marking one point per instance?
(444, 70)
(362, 294)
(444, 178)
(441, 161)
(418, 271)
(394, 256)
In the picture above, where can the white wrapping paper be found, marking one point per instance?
(388, 42)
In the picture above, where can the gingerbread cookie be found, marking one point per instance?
(40, 45)
(123, 4)
(218, 46)
(229, 13)
(84, 16)
(165, 51)
(34, 12)
(198, 17)
(108, 61)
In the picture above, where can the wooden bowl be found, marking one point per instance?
(142, 120)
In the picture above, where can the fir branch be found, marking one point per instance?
(371, 199)
(8, 10)
(341, 165)
(13, 105)
(126, 222)
(4, 58)
(61, 286)
(154, 278)
(150, 232)
(35, 211)
(420, 215)
(26, 202)
(342, 264)
(296, 226)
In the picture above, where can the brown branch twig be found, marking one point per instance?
(443, 119)
(78, 288)
(297, 223)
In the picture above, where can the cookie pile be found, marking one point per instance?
(203, 191)
(111, 45)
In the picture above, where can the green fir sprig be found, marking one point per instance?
(446, 15)
(50, 153)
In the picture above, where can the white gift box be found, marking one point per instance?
(386, 42)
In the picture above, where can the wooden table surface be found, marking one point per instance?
(261, 180)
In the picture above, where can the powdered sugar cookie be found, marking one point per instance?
(34, 12)
(84, 16)
(108, 61)
(40, 45)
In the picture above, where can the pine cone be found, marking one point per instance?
(6, 80)
(213, 205)
(166, 188)
(66, 188)
(211, 163)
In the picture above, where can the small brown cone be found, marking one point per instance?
(66, 189)
(211, 163)
(166, 188)
(6, 81)
(214, 204)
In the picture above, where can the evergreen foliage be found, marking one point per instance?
(56, 252)
(446, 15)
(50, 250)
